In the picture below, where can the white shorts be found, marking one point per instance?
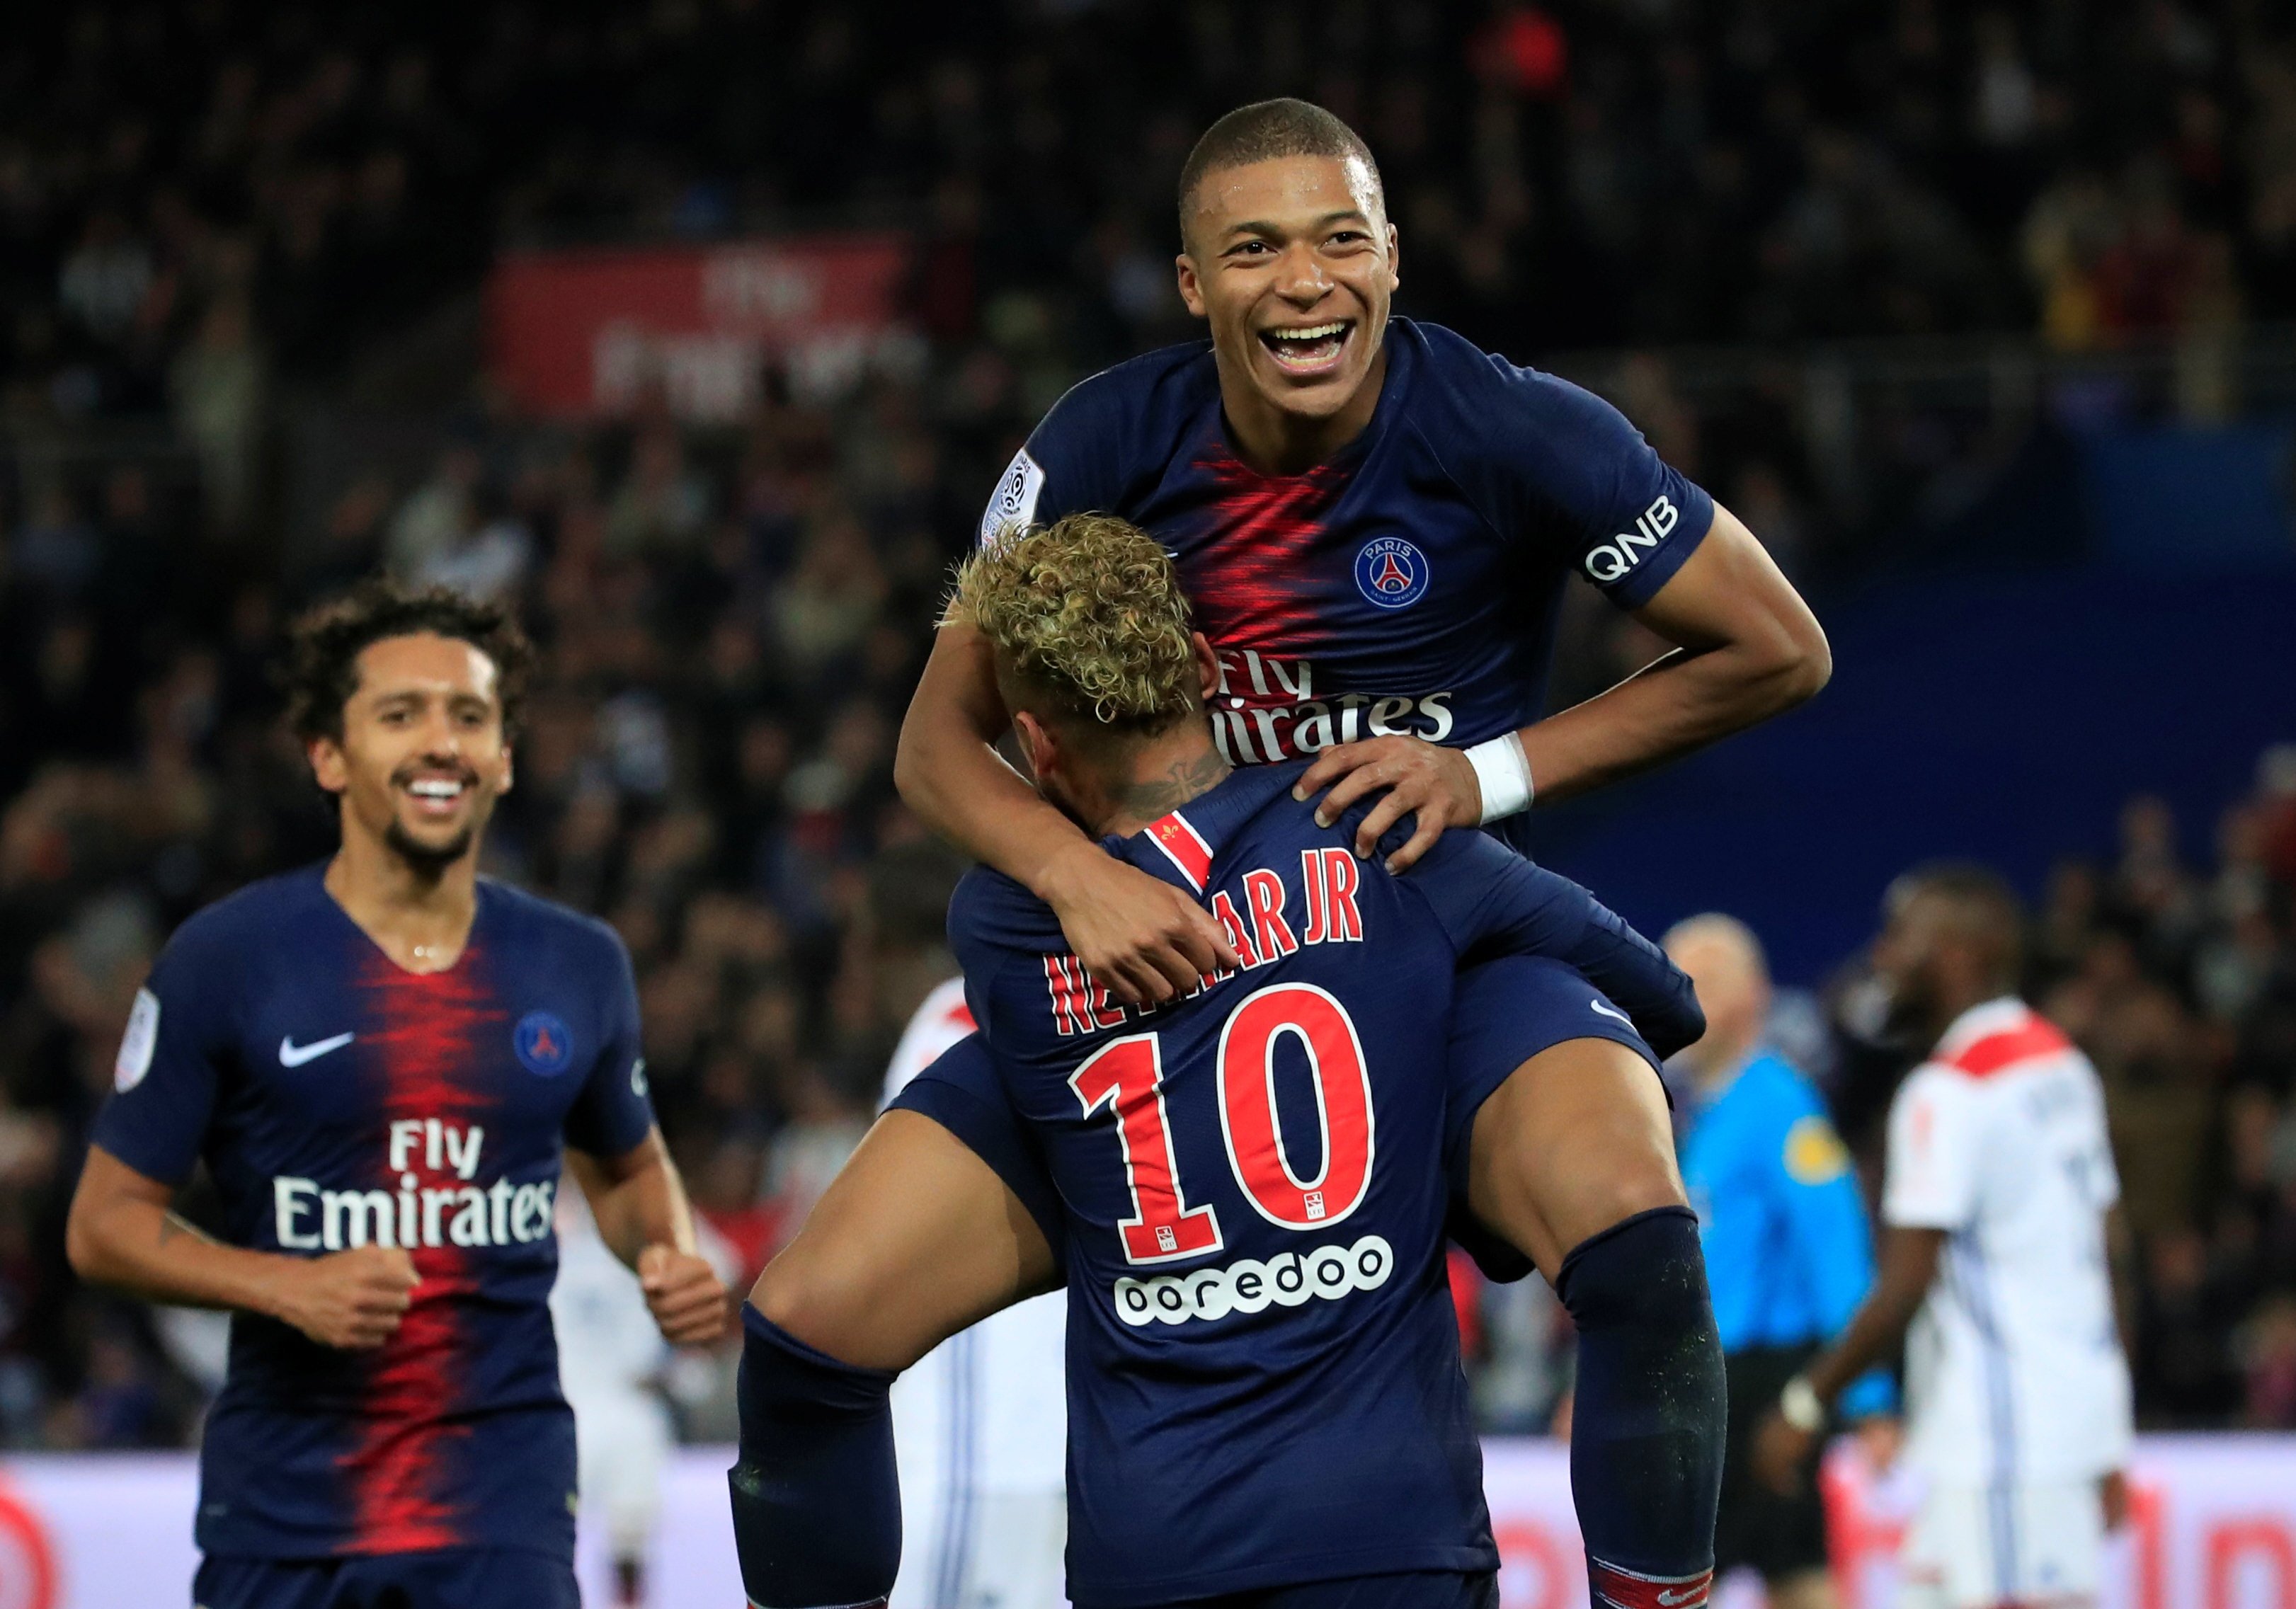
(994, 1550)
(623, 1440)
(2033, 1545)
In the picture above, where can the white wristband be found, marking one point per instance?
(1797, 1406)
(1504, 774)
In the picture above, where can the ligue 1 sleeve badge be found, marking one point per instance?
(545, 1047)
(1391, 572)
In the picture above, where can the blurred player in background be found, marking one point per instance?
(617, 1370)
(609, 1363)
(384, 1060)
(1999, 1198)
(1788, 1255)
(980, 1423)
(1376, 521)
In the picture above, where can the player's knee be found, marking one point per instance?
(1646, 1273)
(821, 1304)
(1632, 1179)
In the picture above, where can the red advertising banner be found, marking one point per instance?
(2212, 1526)
(591, 331)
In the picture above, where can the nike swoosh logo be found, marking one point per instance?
(1696, 1595)
(292, 1055)
(1622, 1016)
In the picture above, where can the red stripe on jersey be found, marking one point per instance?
(1625, 1589)
(430, 1038)
(1183, 846)
(1251, 586)
(960, 1016)
(2037, 1038)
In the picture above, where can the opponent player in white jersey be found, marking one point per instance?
(610, 1362)
(980, 1423)
(1998, 1201)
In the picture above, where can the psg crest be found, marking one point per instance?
(544, 1045)
(1391, 572)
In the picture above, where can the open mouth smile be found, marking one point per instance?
(437, 797)
(1309, 349)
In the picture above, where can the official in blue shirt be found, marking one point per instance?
(1788, 1253)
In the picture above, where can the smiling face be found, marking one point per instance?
(1293, 263)
(423, 753)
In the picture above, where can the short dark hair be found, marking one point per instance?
(1266, 130)
(1986, 907)
(324, 647)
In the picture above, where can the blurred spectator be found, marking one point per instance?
(1857, 173)
(216, 384)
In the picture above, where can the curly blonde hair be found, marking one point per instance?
(1087, 614)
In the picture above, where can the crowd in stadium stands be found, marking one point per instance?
(191, 192)
(208, 209)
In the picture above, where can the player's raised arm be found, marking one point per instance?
(1746, 648)
(123, 1233)
(1142, 938)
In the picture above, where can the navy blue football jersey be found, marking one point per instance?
(339, 1100)
(1408, 586)
(1264, 1375)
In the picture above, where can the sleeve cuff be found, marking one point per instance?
(1644, 583)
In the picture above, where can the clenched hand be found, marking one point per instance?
(1143, 939)
(688, 1302)
(352, 1299)
(1437, 785)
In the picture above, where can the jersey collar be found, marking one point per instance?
(1180, 845)
(2005, 1014)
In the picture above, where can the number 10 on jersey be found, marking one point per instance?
(1128, 1073)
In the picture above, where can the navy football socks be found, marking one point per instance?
(816, 1501)
(1646, 1425)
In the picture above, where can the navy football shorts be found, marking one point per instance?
(1503, 1013)
(449, 1577)
(1413, 1589)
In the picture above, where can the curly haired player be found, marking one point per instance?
(380, 1059)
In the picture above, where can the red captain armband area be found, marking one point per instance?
(1329, 879)
(1624, 1590)
(1982, 1058)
